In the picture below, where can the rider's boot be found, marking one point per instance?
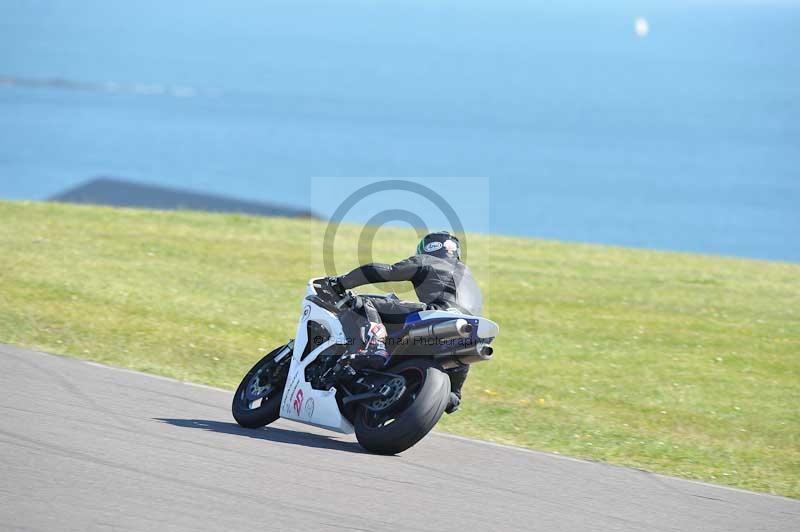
(457, 378)
(454, 403)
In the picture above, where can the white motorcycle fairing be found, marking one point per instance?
(300, 401)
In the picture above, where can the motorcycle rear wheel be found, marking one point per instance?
(417, 412)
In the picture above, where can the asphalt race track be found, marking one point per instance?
(87, 447)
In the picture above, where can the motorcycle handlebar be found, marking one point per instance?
(346, 299)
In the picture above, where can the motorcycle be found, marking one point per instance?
(389, 409)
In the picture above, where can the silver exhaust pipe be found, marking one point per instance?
(444, 330)
(469, 355)
(474, 355)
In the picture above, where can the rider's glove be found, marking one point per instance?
(336, 285)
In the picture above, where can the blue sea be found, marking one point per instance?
(671, 125)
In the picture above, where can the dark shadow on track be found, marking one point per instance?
(273, 434)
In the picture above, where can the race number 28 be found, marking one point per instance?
(298, 401)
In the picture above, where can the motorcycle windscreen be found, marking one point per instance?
(469, 295)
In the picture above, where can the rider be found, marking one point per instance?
(441, 282)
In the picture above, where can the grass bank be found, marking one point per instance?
(682, 364)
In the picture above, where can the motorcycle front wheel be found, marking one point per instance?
(257, 401)
(394, 429)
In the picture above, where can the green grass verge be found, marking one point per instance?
(682, 364)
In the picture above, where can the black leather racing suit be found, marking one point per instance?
(440, 283)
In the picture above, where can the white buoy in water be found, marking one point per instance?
(641, 26)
